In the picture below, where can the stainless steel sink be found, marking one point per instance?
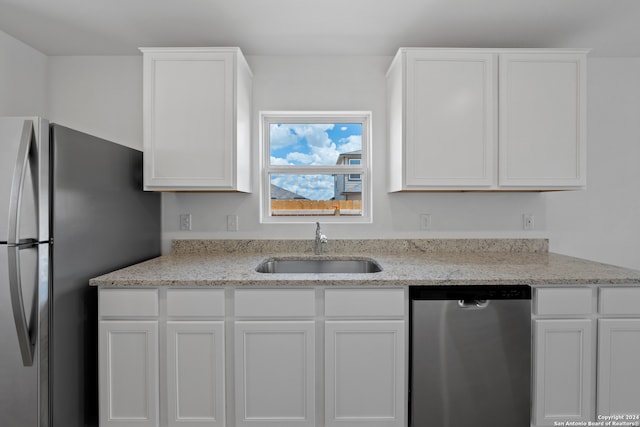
(318, 266)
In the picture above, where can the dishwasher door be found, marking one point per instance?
(470, 356)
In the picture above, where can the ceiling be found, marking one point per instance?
(321, 27)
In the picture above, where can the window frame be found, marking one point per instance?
(266, 169)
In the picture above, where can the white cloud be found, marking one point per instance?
(315, 134)
(350, 143)
(322, 150)
(278, 161)
(281, 136)
(314, 187)
(300, 158)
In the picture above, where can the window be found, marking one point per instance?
(315, 166)
(354, 176)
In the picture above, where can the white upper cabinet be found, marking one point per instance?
(542, 120)
(486, 119)
(441, 110)
(197, 107)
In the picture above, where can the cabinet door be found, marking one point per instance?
(618, 373)
(275, 371)
(188, 116)
(195, 374)
(542, 120)
(364, 373)
(128, 373)
(563, 371)
(450, 119)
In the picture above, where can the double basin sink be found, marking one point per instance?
(319, 266)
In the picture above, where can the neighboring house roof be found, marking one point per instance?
(354, 154)
(280, 193)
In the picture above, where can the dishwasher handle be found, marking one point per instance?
(473, 304)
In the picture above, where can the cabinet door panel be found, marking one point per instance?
(618, 372)
(189, 116)
(563, 371)
(129, 375)
(275, 371)
(195, 378)
(364, 376)
(542, 120)
(450, 137)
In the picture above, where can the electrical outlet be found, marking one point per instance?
(185, 222)
(527, 221)
(232, 222)
(425, 221)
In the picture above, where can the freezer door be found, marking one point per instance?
(24, 170)
(20, 385)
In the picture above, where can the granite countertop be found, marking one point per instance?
(403, 261)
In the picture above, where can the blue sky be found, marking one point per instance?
(311, 144)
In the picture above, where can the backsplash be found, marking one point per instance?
(370, 246)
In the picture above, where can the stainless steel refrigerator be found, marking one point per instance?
(71, 208)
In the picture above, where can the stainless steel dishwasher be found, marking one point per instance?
(470, 356)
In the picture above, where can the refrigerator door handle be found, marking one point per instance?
(27, 144)
(26, 338)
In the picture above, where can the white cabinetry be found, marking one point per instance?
(618, 350)
(195, 358)
(450, 130)
(542, 117)
(275, 357)
(135, 363)
(247, 357)
(563, 371)
(442, 119)
(197, 106)
(364, 358)
(128, 358)
(570, 354)
(564, 344)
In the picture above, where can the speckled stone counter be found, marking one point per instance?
(404, 262)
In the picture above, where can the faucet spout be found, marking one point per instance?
(320, 240)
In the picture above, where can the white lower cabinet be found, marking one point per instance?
(571, 353)
(364, 373)
(618, 363)
(195, 373)
(275, 373)
(563, 371)
(364, 357)
(128, 373)
(128, 369)
(307, 357)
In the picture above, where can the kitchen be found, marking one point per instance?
(102, 95)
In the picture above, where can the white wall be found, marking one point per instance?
(603, 222)
(99, 95)
(102, 95)
(23, 73)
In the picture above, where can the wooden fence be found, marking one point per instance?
(316, 207)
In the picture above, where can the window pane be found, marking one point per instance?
(316, 195)
(354, 176)
(313, 143)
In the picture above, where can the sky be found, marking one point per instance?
(311, 144)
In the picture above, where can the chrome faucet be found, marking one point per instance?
(321, 240)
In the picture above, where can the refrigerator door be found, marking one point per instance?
(24, 168)
(102, 221)
(24, 389)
